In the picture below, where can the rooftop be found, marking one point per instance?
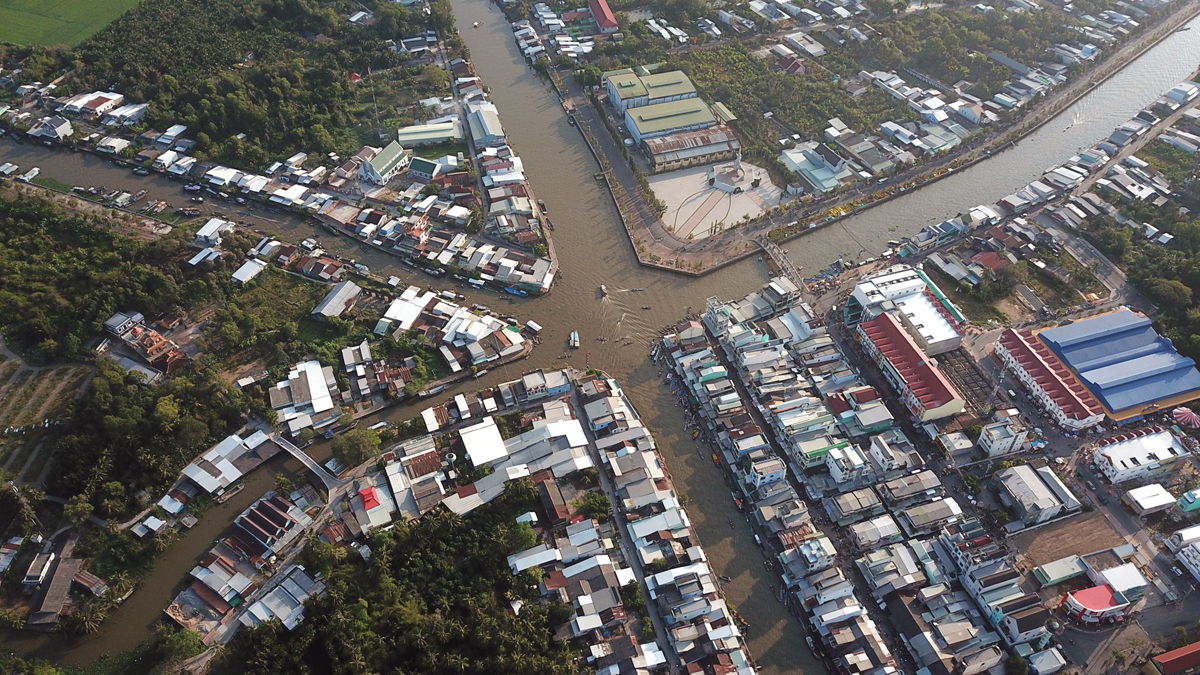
(1123, 361)
(661, 117)
(1050, 374)
(926, 381)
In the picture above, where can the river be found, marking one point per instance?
(593, 250)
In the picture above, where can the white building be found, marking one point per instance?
(1149, 499)
(927, 315)
(1138, 455)
(384, 165)
(1003, 437)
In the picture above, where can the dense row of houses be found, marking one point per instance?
(954, 596)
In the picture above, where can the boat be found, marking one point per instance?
(141, 171)
(139, 194)
(636, 290)
(573, 340)
(893, 242)
(542, 206)
(570, 120)
(29, 175)
(725, 578)
(603, 290)
(430, 392)
(519, 292)
(715, 460)
(477, 24)
(645, 306)
(191, 188)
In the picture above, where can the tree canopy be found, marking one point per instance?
(435, 598)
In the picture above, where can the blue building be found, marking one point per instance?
(1131, 369)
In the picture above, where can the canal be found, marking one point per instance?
(593, 250)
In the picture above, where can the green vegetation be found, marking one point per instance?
(747, 85)
(125, 435)
(278, 71)
(434, 598)
(975, 307)
(56, 22)
(356, 446)
(64, 275)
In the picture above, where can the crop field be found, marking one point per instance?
(54, 22)
(29, 398)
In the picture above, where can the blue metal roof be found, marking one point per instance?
(1122, 360)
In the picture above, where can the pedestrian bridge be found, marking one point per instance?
(331, 481)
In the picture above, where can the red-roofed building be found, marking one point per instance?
(1178, 661)
(603, 14)
(1096, 604)
(1051, 384)
(370, 498)
(923, 389)
(990, 259)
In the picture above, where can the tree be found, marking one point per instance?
(356, 446)
(1016, 665)
(594, 505)
(77, 509)
(1169, 294)
(522, 537)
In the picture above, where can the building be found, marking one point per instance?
(627, 89)
(923, 389)
(821, 169)
(1035, 495)
(1098, 604)
(925, 518)
(209, 234)
(483, 120)
(911, 489)
(53, 129)
(1125, 364)
(662, 119)
(691, 148)
(1180, 661)
(1149, 499)
(1051, 385)
(1189, 557)
(1003, 437)
(1182, 538)
(1138, 455)
(423, 168)
(305, 400)
(603, 15)
(429, 134)
(766, 472)
(924, 311)
(384, 165)
(339, 299)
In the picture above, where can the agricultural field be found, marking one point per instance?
(55, 22)
(29, 397)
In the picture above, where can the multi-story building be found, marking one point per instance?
(1138, 455)
(922, 388)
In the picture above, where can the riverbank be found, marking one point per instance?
(656, 246)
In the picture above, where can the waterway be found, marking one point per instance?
(593, 250)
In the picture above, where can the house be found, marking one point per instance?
(766, 472)
(1180, 661)
(384, 165)
(431, 133)
(306, 398)
(1003, 437)
(54, 129)
(209, 235)
(339, 299)
(603, 15)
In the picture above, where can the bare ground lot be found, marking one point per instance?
(1079, 535)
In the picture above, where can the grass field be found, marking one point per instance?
(53, 22)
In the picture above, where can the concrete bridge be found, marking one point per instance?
(331, 482)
